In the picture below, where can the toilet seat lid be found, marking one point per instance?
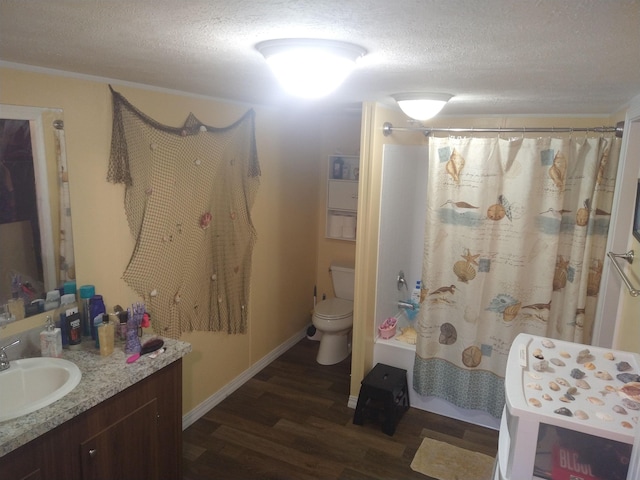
(334, 309)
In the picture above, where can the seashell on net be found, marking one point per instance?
(537, 353)
(534, 375)
(609, 356)
(572, 390)
(554, 386)
(565, 354)
(562, 381)
(590, 366)
(595, 401)
(557, 362)
(547, 397)
(626, 424)
(534, 386)
(566, 399)
(535, 402)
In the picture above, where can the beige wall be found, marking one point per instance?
(285, 214)
(341, 134)
(373, 140)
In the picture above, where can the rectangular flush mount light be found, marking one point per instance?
(310, 68)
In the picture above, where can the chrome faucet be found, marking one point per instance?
(407, 305)
(4, 360)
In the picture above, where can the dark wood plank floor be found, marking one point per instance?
(291, 421)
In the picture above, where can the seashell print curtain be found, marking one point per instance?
(515, 239)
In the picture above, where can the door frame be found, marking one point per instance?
(612, 290)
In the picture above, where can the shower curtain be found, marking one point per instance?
(515, 239)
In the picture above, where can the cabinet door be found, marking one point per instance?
(126, 449)
(343, 195)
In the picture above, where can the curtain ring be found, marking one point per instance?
(524, 130)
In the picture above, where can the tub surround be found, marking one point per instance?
(102, 378)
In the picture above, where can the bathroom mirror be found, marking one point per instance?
(31, 149)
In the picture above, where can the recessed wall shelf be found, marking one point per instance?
(342, 196)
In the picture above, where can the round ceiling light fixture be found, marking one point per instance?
(310, 68)
(421, 106)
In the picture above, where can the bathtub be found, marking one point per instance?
(401, 355)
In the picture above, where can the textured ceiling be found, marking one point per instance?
(498, 57)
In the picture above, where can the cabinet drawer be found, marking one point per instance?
(343, 195)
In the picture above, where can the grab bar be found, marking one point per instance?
(629, 258)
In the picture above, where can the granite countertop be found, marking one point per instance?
(102, 378)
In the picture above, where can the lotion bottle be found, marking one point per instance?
(51, 340)
(415, 295)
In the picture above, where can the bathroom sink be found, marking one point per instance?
(33, 383)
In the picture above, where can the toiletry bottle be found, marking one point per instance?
(86, 292)
(96, 307)
(51, 340)
(70, 319)
(337, 168)
(415, 295)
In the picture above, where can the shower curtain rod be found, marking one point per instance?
(388, 129)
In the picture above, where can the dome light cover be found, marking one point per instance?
(421, 106)
(310, 68)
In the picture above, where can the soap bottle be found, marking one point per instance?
(415, 295)
(86, 292)
(51, 340)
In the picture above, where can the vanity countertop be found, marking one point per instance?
(102, 378)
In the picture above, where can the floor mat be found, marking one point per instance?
(446, 462)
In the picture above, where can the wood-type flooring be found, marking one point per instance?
(291, 421)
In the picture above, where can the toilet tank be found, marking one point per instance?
(344, 279)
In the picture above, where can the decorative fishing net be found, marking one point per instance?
(188, 198)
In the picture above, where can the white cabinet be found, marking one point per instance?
(342, 196)
(564, 402)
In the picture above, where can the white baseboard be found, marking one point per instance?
(353, 401)
(190, 417)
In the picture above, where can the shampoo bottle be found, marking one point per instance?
(415, 295)
(51, 340)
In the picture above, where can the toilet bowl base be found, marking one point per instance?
(334, 347)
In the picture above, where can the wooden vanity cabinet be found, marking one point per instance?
(134, 434)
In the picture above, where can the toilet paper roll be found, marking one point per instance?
(335, 225)
(348, 232)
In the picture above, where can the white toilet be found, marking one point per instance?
(334, 317)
